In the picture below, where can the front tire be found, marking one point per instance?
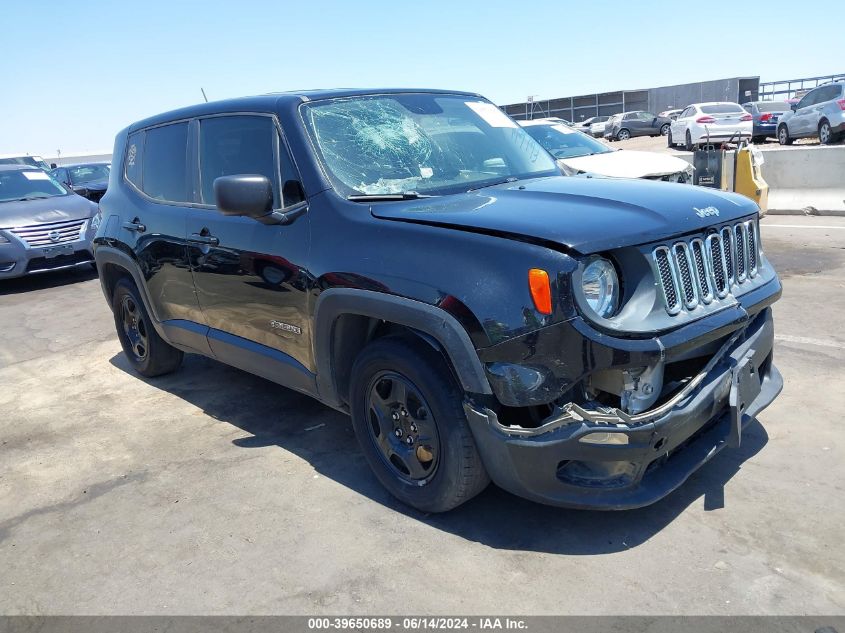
(408, 416)
(669, 142)
(148, 353)
(664, 129)
(783, 136)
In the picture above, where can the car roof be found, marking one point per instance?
(704, 103)
(270, 101)
(544, 121)
(35, 156)
(102, 162)
(18, 167)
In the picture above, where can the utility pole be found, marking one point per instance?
(529, 103)
(203, 94)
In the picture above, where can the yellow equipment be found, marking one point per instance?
(747, 177)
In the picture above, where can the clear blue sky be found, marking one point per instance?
(73, 74)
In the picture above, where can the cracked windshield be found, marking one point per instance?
(421, 144)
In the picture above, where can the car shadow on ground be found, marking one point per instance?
(45, 281)
(275, 416)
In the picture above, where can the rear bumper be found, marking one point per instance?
(765, 129)
(554, 465)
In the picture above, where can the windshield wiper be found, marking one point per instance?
(493, 184)
(28, 198)
(377, 197)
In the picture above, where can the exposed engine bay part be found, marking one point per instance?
(597, 414)
(638, 388)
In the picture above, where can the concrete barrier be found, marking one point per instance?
(805, 179)
(801, 179)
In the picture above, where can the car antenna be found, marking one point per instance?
(203, 94)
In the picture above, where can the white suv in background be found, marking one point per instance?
(713, 122)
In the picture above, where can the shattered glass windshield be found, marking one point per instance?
(431, 144)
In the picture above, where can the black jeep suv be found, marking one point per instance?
(414, 259)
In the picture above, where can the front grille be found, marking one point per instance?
(50, 233)
(694, 272)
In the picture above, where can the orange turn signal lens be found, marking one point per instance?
(541, 290)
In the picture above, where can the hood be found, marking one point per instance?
(55, 209)
(627, 164)
(587, 215)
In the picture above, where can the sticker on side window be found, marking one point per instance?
(36, 175)
(490, 113)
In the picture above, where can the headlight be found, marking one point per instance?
(600, 286)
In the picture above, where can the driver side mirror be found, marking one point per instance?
(244, 194)
(251, 195)
(793, 107)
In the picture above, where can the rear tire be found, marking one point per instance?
(623, 135)
(148, 353)
(664, 129)
(826, 135)
(758, 139)
(408, 416)
(783, 135)
(688, 142)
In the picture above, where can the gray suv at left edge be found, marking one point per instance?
(43, 225)
(821, 112)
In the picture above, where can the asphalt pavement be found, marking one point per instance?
(211, 491)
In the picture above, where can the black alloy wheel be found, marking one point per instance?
(402, 427)
(134, 327)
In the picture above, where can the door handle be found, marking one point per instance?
(135, 225)
(199, 238)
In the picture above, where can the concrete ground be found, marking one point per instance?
(214, 492)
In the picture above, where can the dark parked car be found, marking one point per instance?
(584, 342)
(765, 115)
(89, 180)
(17, 159)
(43, 225)
(629, 124)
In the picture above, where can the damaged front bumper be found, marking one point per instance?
(610, 460)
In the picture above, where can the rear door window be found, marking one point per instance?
(164, 168)
(828, 93)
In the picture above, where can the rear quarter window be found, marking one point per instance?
(133, 167)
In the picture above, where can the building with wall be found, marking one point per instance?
(738, 89)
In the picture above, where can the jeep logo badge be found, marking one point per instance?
(54, 236)
(706, 211)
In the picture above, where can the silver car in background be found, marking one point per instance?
(821, 112)
(43, 225)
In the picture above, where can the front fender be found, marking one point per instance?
(430, 320)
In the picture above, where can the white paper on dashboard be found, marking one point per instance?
(491, 114)
(36, 175)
